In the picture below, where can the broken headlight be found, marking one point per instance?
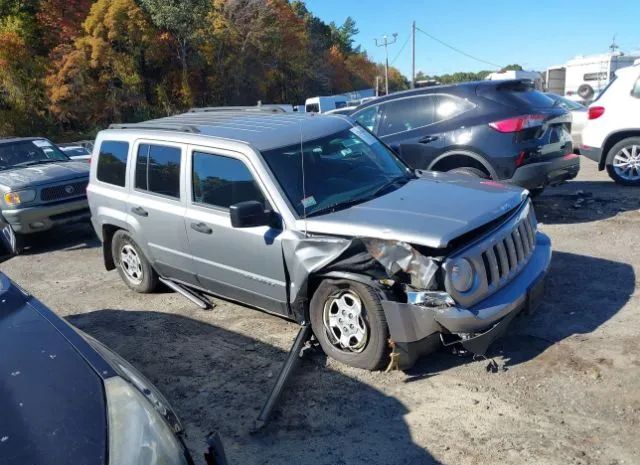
(462, 275)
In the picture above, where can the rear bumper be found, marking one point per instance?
(541, 174)
(44, 217)
(593, 153)
(417, 330)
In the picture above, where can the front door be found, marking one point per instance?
(157, 206)
(240, 264)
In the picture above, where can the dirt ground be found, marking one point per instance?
(567, 390)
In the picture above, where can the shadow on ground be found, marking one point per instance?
(217, 380)
(581, 294)
(76, 237)
(585, 201)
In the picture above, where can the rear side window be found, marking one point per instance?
(533, 98)
(448, 106)
(222, 181)
(407, 114)
(158, 170)
(367, 117)
(112, 162)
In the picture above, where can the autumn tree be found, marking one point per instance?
(61, 20)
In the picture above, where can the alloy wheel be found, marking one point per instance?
(344, 321)
(131, 264)
(626, 163)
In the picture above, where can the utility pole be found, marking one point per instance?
(413, 57)
(385, 42)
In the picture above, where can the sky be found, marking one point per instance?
(535, 34)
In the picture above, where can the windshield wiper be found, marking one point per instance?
(372, 195)
(35, 162)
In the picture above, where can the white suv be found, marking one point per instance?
(612, 134)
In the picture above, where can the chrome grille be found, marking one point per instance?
(64, 191)
(498, 258)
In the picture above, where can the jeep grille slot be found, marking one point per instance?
(498, 258)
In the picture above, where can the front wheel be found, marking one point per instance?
(623, 162)
(348, 320)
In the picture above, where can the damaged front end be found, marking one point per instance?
(433, 297)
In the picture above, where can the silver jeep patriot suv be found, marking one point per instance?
(316, 220)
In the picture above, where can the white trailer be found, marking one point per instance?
(586, 76)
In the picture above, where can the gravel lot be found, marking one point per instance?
(566, 391)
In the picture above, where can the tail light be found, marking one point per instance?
(518, 123)
(595, 112)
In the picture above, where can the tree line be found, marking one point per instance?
(71, 67)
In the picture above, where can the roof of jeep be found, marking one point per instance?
(264, 130)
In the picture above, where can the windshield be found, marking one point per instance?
(29, 152)
(339, 170)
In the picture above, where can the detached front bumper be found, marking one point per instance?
(417, 330)
(541, 174)
(43, 217)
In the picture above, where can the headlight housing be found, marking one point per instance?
(19, 197)
(138, 434)
(462, 275)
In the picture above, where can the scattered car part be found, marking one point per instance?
(288, 367)
(200, 301)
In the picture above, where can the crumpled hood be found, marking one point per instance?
(52, 408)
(42, 174)
(430, 211)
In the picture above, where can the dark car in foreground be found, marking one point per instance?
(503, 130)
(40, 186)
(67, 399)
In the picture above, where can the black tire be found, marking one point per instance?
(21, 242)
(375, 354)
(628, 144)
(470, 171)
(148, 279)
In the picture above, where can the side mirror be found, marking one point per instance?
(7, 242)
(249, 214)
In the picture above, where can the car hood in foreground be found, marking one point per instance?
(430, 211)
(19, 178)
(52, 406)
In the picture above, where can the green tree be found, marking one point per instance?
(182, 19)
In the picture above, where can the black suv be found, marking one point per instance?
(502, 130)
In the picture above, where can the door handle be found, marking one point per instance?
(201, 228)
(139, 211)
(428, 139)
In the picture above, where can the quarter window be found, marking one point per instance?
(222, 181)
(112, 162)
(636, 89)
(407, 114)
(158, 170)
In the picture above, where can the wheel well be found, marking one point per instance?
(612, 140)
(108, 230)
(450, 162)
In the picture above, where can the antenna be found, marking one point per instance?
(304, 188)
(613, 47)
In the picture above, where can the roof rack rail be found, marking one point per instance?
(257, 109)
(158, 126)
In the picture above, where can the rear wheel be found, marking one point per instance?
(623, 162)
(470, 171)
(134, 268)
(348, 320)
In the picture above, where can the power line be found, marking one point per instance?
(401, 49)
(458, 50)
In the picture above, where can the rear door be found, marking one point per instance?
(157, 207)
(241, 264)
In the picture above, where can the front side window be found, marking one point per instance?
(335, 171)
(407, 114)
(367, 117)
(221, 181)
(112, 162)
(158, 170)
(29, 152)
